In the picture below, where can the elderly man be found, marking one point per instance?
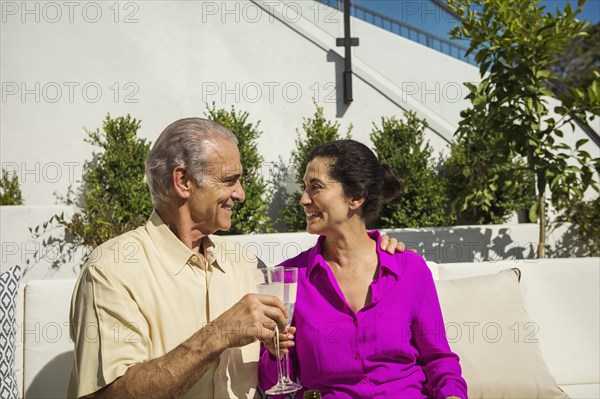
(168, 310)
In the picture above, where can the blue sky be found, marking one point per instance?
(423, 14)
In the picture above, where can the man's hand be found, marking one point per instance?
(174, 373)
(391, 245)
(252, 318)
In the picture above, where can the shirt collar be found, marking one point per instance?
(175, 254)
(212, 245)
(315, 257)
(386, 261)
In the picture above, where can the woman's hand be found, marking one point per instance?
(286, 341)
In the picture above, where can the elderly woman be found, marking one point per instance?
(368, 324)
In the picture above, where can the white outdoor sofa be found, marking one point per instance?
(562, 297)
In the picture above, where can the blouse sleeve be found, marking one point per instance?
(439, 363)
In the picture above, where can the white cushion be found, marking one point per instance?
(48, 353)
(435, 269)
(563, 299)
(587, 391)
(486, 318)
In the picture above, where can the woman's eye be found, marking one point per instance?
(312, 187)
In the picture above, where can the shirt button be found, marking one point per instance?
(356, 322)
(194, 258)
(356, 357)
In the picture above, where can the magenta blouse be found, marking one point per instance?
(395, 347)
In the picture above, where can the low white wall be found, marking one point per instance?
(442, 244)
(18, 246)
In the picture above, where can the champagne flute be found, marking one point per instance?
(270, 281)
(290, 276)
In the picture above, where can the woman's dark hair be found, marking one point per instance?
(361, 175)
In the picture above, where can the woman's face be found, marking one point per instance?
(323, 199)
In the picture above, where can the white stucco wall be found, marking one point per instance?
(63, 67)
(434, 79)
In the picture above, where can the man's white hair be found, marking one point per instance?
(186, 142)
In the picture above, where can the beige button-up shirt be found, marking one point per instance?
(143, 293)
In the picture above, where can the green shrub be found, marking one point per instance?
(251, 215)
(401, 145)
(10, 192)
(317, 130)
(467, 171)
(113, 196)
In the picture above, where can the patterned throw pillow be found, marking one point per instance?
(9, 288)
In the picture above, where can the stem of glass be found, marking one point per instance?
(280, 379)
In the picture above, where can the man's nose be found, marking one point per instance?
(238, 194)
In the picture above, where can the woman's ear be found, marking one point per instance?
(355, 203)
(182, 183)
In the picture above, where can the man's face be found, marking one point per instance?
(212, 200)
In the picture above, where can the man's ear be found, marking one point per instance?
(182, 183)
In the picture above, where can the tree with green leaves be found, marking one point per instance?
(251, 215)
(576, 68)
(317, 130)
(113, 196)
(401, 145)
(515, 43)
(468, 171)
(10, 191)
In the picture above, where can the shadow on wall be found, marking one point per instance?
(283, 177)
(465, 244)
(335, 94)
(53, 380)
(569, 244)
